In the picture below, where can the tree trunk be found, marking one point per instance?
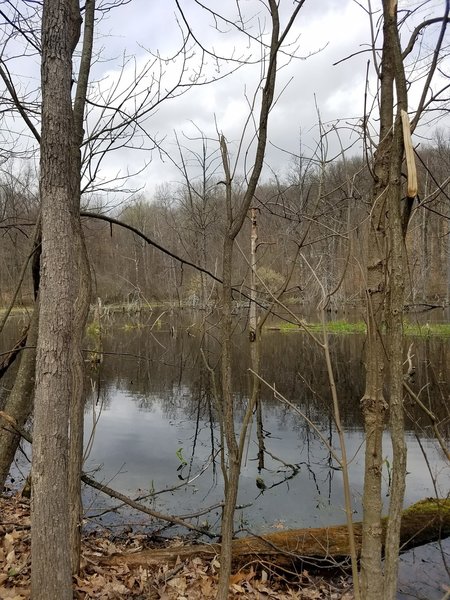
(398, 222)
(395, 349)
(373, 402)
(77, 402)
(389, 284)
(231, 475)
(50, 540)
(82, 302)
(19, 404)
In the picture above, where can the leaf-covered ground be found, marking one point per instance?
(192, 580)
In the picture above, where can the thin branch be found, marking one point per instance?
(150, 242)
(109, 491)
(10, 87)
(432, 418)
(432, 68)
(418, 30)
(21, 276)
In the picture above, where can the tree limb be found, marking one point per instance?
(109, 491)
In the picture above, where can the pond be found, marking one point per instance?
(151, 428)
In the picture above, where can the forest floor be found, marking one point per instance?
(194, 579)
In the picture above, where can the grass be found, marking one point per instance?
(345, 327)
(332, 327)
(93, 329)
(429, 329)
(132, 326)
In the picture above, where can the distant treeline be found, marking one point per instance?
(311, 227)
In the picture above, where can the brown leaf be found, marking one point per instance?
(8, 543)
(178, 583)
(206, 586)
(10, 594)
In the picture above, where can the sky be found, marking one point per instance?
(308, 83)
(142, 36)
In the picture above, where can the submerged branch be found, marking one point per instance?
(113, 493)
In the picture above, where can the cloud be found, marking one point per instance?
(224, 105)
(133, 34)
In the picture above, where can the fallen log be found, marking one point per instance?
(423, 522)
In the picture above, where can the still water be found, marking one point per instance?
(151, 429)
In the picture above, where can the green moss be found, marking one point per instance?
(132, 326)
(429, 506)
(346, 327)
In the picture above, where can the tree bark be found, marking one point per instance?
(373, 403)
(81, 310)
(50, 540)
(398, 222)
(232, 472)
(82, 302)
(233, 226)
(389, 285)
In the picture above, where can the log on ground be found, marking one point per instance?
(423, 522)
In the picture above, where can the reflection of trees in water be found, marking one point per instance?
(172, 373)
(432, 384)
(171, 377)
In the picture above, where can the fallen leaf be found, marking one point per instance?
(179, 583)
(8, 543)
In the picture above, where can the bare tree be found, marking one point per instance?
(61, 22)
(119, 113)
(235, 216)
(391, 210)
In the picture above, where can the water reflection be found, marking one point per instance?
(158, 412)
(152, 403)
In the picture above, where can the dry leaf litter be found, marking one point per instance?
(195, 579)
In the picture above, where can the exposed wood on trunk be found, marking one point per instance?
(409, 155)
(424, 522)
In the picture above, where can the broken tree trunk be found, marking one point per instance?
(424, 522)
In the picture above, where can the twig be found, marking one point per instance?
(140, 507)
(302, 414)
(432, 418)
(19, 283)
(11, 355)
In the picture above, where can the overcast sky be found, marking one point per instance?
(326, 31)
